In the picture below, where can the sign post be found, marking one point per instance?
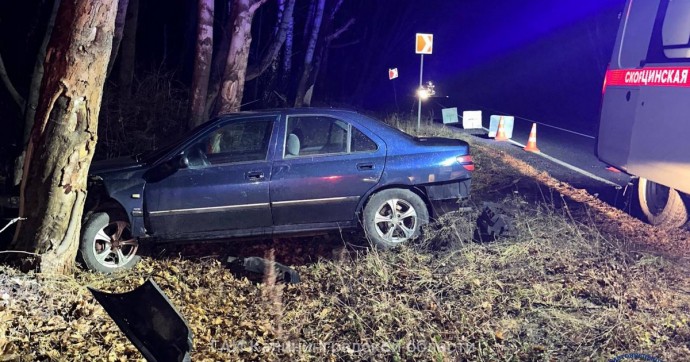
(393, 74)
(423, 45)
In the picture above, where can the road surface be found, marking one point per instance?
(567, 156)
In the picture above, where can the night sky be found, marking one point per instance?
(539, 59)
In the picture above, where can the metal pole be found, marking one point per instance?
(419, 109)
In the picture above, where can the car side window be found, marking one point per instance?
(241, 141)
(322, 135)
(315, 135)
(361, 143)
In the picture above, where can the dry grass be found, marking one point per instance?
(568, 286)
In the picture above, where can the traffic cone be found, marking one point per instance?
(532, 141)
(500, 132)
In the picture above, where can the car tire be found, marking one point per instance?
(97, 246)
(394, 216)
(662, 206)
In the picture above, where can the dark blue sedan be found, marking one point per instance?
(270, 173)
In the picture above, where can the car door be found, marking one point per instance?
(326, 166)
(224, 187)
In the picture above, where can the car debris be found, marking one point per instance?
(493, 223)
(150, 321)
(254, 267)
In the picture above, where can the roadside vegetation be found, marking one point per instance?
(579, 280)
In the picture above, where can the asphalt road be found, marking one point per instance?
(567, 156)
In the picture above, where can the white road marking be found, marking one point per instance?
(569, 166)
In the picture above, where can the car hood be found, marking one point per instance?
(114, 164)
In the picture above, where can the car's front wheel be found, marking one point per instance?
(107, 244)
(394, 216)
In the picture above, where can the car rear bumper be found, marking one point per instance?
(449, 190)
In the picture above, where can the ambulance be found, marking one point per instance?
(644, 127)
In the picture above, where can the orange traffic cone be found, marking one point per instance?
(500, 132)
(532, 141)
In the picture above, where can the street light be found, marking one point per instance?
(424, 93)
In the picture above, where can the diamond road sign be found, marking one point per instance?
(424, 43)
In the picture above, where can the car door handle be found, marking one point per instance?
(255, 176)
(365, 166)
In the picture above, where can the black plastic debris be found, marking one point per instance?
(150, 321)
(254, 268)
(493, 223)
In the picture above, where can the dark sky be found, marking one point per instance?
(541, 59)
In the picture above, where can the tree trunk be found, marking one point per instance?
(219, 59)
(287, 56)
(309, 56)
(34, 91)
(277, 44)
(202, 63)
(63, 138)
(232, 86)
(119, 31)
(129, 42)
(10, 86)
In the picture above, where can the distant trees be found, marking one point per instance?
(63, 137)
(281, 83)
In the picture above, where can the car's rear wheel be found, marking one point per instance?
(661, 205)
(394, 216)
(107, 244)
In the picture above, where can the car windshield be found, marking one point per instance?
(152, 155)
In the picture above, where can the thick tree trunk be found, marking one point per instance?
(309, 56)
(119, 31)
(202, 63)
(129, 42)
(232, 86)
(63, 138)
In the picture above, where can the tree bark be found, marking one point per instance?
(63, 138)
(219, 59)
(202, 63)
(129, 42)
(232, 86)
(276, 45)
(309, 56)
(119, 31)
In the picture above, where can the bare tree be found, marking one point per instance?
(129, 41)
(63, 138)
(28, 105)
(202, 62)
(309, 56)
(10, 86)
(285, 19)
(232, 86)
(321, 57)
(119, 31)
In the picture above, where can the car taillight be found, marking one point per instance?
(466, 162)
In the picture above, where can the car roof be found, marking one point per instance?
(289, 111)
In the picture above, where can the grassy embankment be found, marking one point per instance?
(579, 281)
